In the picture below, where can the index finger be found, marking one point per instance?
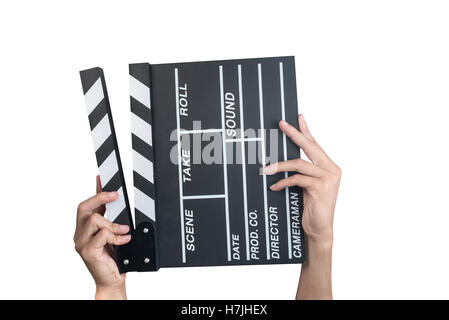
(312, 150)
(97, 200)
(102, 209)
(99, 189)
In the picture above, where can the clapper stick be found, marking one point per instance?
(139, 254)
(142, 142)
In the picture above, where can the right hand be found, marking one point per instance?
(94, 237)
(320, 180)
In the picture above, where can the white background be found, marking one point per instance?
(373, 83)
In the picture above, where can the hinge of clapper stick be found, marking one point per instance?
(139, 254)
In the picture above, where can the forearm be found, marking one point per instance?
(111, 293)
(315, 282)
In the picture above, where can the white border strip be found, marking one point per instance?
(225, 169)
(181, 202)
(262, 128)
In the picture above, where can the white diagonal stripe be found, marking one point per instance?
(144, 204)
(94, 96)
(113, 209)
(141, 129)
(143, 166)
(139, 91)
(108, 168)
(101, 132)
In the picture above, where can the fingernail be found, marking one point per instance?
(123, 227)
(271, 169)
(282, 122)
(271, 187)
(112, 194)
(126, 237)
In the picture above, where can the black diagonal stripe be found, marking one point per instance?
(140, 71)
(114, 184)
(141, 110)
(97, 114)
(105, 150)
(124, 218)
(140, 217)
(142, 147)
(89, 77)
(143, 185)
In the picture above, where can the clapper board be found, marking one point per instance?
(201, 133)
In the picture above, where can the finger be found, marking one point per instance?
(98, 184)
(105, 236)
(95, 223)
(101, 209)
(94, 202)
(311, 149)
(304, 128)
(295, 180)
(298, 165)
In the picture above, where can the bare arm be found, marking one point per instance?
(320, 181)
(315, 281)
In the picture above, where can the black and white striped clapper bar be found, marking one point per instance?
(140, 254)
(201, 132)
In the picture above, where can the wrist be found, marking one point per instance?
(117, 292)
(323, 244)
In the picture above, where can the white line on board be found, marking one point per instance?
(204, 196)
(242, 127)
(243, 139)
(200, 131)
(262, 128)
(181, 203)
(225, 169)
(284, 143)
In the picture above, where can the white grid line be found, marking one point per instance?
(284, 143)
(225, 169)
(243, 139)
(264, 177)
(200, 131)
(242, 127)
(204, 196)
(181, 202)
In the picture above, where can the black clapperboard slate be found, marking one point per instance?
(190, 211)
